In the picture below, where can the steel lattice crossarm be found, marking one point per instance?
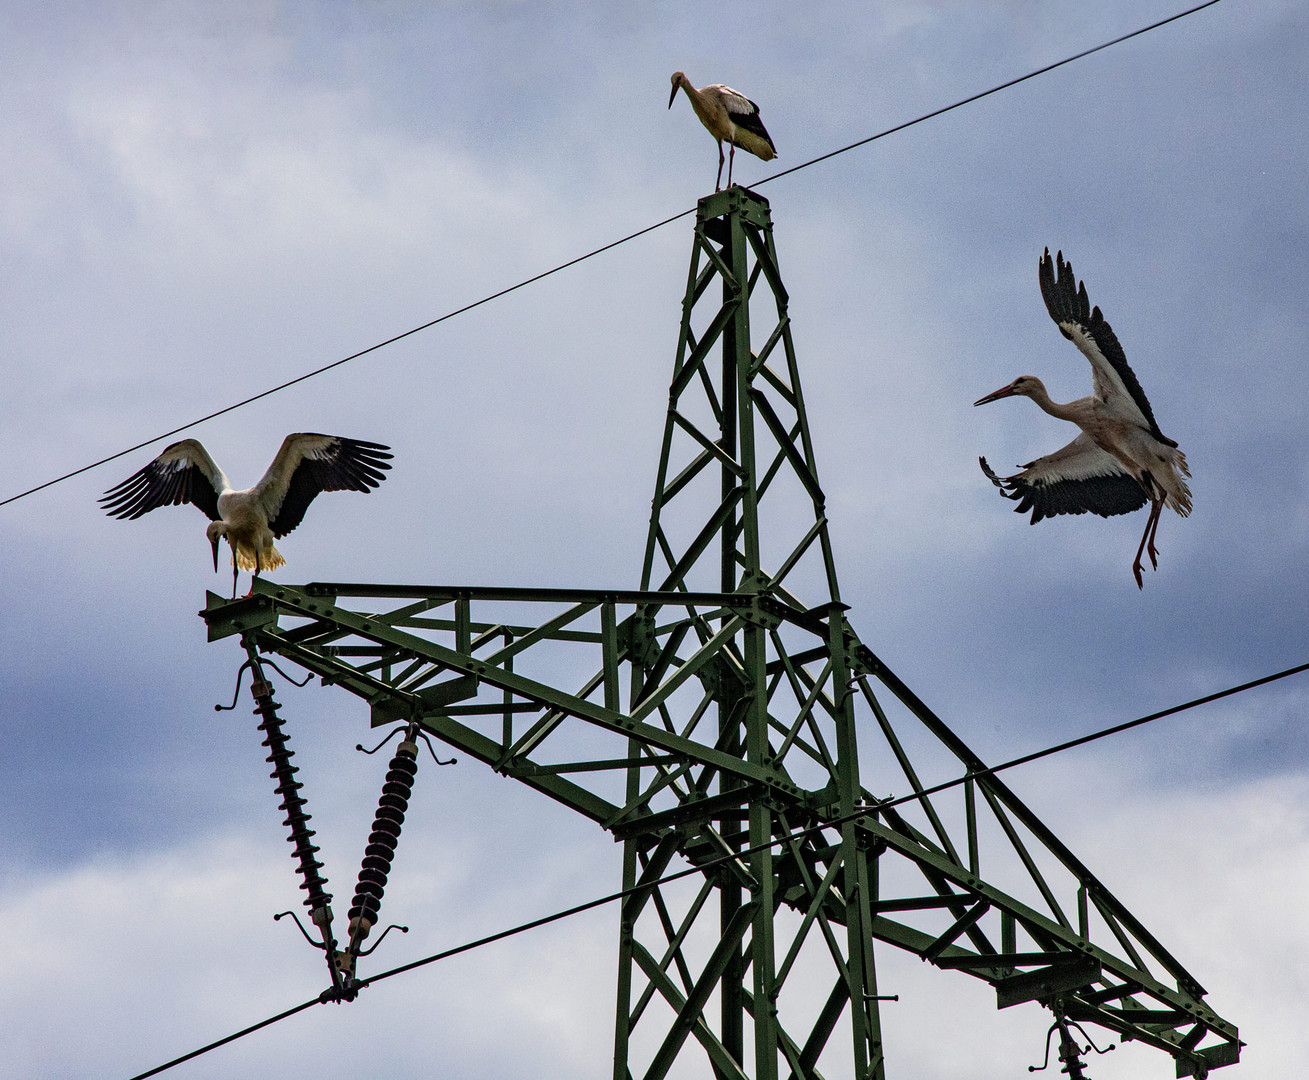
(478, 668)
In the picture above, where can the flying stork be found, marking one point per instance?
(306, 464)
(1120, 460)
(730, 117)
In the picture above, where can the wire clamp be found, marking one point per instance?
(1070, 1053)
(240, 673)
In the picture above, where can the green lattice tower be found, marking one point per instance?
(734, 758)
(736, 472)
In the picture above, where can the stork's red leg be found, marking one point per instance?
(731, 157)
(1151, 523)
(235, 568)
(718, 180)
(1149, 547)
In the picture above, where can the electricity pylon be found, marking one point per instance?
(733, 753)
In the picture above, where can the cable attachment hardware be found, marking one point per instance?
(428, 743)
(318, 900)
(382, 937)
(409, 734)
(236, 694)
(1070, 1053)
(390, 735)
(296, 918)
(240, 672)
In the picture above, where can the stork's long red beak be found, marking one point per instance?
(672, 96)
(1003, 392)
(214, 543)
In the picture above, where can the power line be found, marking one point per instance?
(875, 808)
(1117, 728)
(345, 359)
(589, 255)
(987, 93)
(230, 1038)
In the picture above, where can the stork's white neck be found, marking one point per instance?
(1074, 411)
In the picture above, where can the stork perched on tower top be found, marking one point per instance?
(1120, 460)
(306, 464)
(730, 117)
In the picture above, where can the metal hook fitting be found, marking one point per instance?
(236, 694)
(415, 733)
(391, 735)
(373, 949)
(1070, 1053)
(240, 674)
(412, 732)
(273, 664)
(281, 915)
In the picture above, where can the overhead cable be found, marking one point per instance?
(589, 255)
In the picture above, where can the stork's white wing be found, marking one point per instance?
(309, 463)
(734, 101)
(1070, 308)
(1078, 478)
(183, 473)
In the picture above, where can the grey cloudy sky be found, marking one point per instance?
(197, 203)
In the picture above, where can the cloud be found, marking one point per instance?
(176, 948)
(199, 203)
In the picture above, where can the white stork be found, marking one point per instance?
(1120, 460)
(730, 117)
(306, 464)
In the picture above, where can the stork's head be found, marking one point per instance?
(216, 531)
(678, 80)
(1023, 386)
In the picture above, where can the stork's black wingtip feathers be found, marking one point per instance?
(1009, 487)
(377, 449)
(1067, 302)
(1064, 300)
